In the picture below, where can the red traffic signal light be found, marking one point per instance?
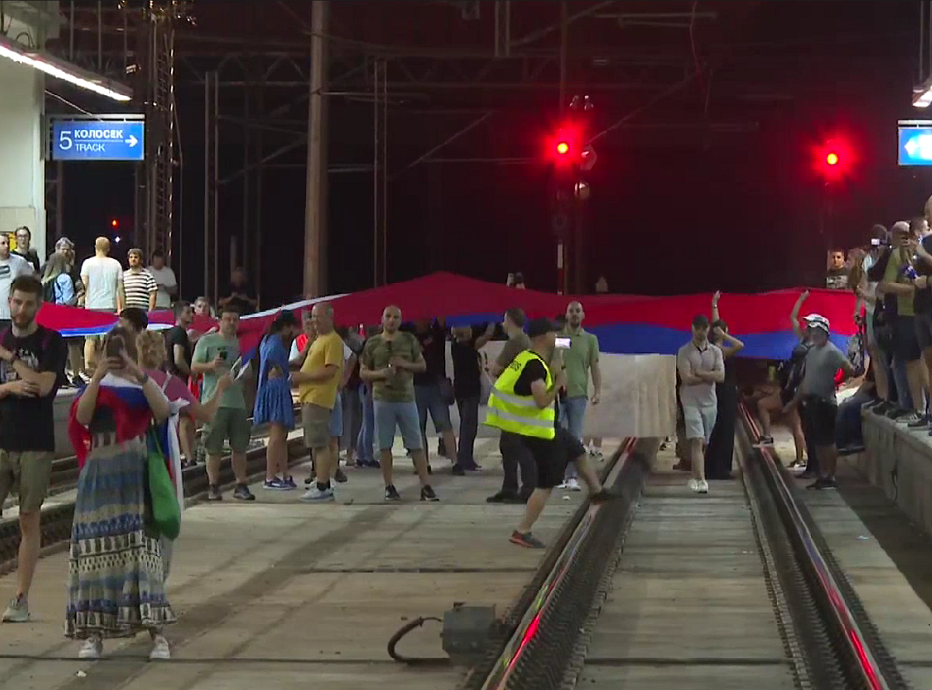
(114, 223)
(562, 148)
(831, 158)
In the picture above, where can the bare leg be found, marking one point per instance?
(387, 461)
(880, 370)
(588, 474)
(187, 437)
(766, 407)
(828, 459)
(799, 439)
(239, 467)
(28, 550)
(698, 461)
(535, 506)
(449, 445)
(274, 451)
(213, 469)
(90, 355)
(420, 464)
(917, 378)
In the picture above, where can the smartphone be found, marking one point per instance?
(564, 342)
(115, 347)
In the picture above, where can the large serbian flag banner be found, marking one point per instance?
(625, 324)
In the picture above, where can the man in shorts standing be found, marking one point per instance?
(214, 354)
(522, 403)
(32, 367)
(389, 362)
(700, 365)
(318, 380)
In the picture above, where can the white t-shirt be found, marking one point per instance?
(104, 276)
(10, 269)
(163, 276)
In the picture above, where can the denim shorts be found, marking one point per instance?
(400, 415)
(336, 418)
(573, 415)
(700, 420)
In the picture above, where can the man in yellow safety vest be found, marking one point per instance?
(522, 403)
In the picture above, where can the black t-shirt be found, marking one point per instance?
(178, 336)
(922, 302)
(244, 307)
(465, 368)
(434, 347)
(28, 424)
(534, 370)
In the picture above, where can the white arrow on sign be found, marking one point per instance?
(132, 141)
(920, 146)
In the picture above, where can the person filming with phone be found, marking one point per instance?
(214, 356)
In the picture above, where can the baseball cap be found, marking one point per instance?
(818, 321)
(538, 327)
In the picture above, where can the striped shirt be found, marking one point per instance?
(138, 285)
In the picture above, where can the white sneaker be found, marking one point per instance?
(573, 484)
(563, 485)
(161, 650)
(703, 486)
(92, 649)
(315, 495)
(693, 485)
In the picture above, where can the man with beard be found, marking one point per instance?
(32, 367)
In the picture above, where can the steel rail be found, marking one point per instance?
(869, 669)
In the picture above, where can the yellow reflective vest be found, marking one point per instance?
(519, 414)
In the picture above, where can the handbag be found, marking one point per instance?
(166, 513)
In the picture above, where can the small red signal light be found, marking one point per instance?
(114, 223)
(562, 148)
(831, 158)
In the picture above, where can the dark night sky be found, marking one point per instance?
(670, 214)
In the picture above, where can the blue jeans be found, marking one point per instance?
(469, 427)
(367, 430)
(903, 396)
(573, 419)
(430, 401)
(848, 421)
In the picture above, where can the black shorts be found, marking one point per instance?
(819, 416)
(923, 323)
(905, 343)
(552, 456)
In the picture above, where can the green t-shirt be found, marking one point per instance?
(376, 355)
(893, 274)
(206, 351)
(583, 353)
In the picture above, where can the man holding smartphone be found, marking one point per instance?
(213, 357)
(581, 356)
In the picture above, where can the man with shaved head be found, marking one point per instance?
(317, 380)
(388, 363)
(581, 358)
(103, 291)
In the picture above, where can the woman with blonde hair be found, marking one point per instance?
(115, 573)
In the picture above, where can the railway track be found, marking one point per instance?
(664, 588)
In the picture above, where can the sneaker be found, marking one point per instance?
(895, 413)
(289, 483)
(921, 423)
(339, 476)
(17, 611)
(504, 497)
(527, 540)
(213, 493)
(818, 484)
(275, 484)
(693, 485)
(161, 650)
(882, 408)
(764, 441)
(703, 486)
(309, 479)
(427, 494)
(458, 471)
(913, 420)
(242, 493)
(92, 649)
(391, 493)
(317, 495)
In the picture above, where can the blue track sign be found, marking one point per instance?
(98, 140)
(915, 146)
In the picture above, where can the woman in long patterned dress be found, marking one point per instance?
(115, 573)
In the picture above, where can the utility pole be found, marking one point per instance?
(315, 215)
